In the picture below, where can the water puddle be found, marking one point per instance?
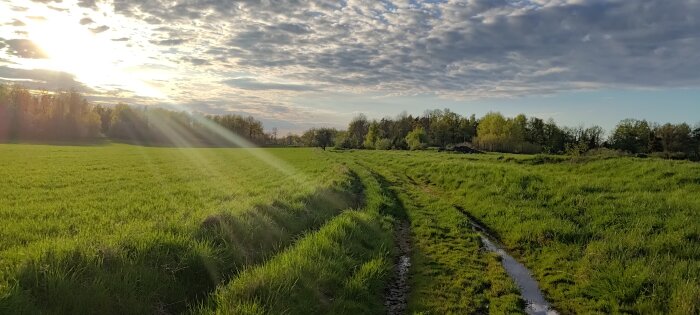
(397, 292)
(529, 290)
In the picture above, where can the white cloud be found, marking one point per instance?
(454, 49)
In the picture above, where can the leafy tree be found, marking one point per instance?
(494, 132)
(105, 114)
(357, 130)
(383, 144)
(417, 138)
(324, 137)
(674, 138)
(632, 135)
(695, 141)
(372, 135)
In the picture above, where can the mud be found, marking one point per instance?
(396, 297)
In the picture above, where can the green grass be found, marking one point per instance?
(115, 229)
(126, 229)
(450, 272)
(610, 235)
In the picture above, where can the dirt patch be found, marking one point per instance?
(397, 292)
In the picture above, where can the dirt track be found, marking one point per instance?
(397, 292)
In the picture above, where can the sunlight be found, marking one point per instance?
(94, 60)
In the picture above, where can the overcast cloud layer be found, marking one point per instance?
(256, 56)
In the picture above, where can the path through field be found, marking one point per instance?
(397, 292)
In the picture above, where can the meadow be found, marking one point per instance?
(123, 229)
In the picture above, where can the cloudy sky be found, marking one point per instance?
(295, 64)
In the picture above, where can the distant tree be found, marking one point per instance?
(319, 137)
(417, 138)
(105, 114)
(674, 138)
(467, 129)
(535, 132)
(383, 144)
(695, 141)
(340, 140)
(357, 130)
(495, 133)
(324, 137)
(372, 135)
(632, 135)
(556, 138)
(274, 135)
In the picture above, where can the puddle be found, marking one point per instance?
(529, 290)
(397, 292)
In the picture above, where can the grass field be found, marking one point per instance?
(116, 229)
(616, 235)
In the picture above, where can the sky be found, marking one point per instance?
(297, 64)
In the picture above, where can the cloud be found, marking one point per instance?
(197, 61)
(24, 48)
(169, 42)
(86, 20)
(473, 48)
(252, 84)
(247, 51)
(99, 29)
(87, 3)
(42, 79)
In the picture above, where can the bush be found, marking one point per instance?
(383, 144)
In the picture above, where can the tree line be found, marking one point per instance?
(497, 133)
(68, 116)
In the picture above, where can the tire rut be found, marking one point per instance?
(396, 298)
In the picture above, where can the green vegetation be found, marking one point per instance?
(68, 117)
(129, 229)
(126, 229)
(496, 133)
(451, 274)
(602, 235)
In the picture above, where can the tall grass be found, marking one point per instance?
(124, 229)
(612, 235)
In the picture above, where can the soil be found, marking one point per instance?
(397, 292)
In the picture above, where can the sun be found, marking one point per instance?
(71, 48)
(94, 59)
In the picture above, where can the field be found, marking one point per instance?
(120, 229)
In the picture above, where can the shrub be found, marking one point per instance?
(383, 144)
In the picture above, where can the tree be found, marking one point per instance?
(417, 138)
(535, 131)
(493, 132)
(372, 135)
(632, 135)
(674, 138)
(324, 137)
(105, 114)
(695, 141)
(357, 130)
(383, 144)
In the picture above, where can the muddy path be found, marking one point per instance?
(530, 291)
(397, 292)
